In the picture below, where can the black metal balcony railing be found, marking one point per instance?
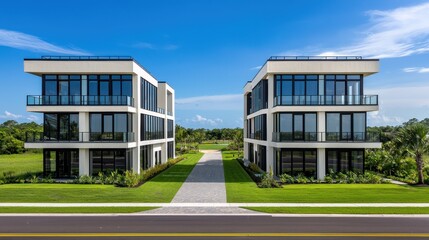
(326, 100)
(326, 137)
(79, 100)
(36, 137)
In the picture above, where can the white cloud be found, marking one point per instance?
(256, 68)
(378, 118)
(393, 33)
(146, 45)
(33, 118)
(204, 121)
(416, 69)
(9, 115)
(213, 102)
(24, 41)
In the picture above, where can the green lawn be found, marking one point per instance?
(21, 163)
(241, 188)
(74, 209)
(161, 188)
(212, 146)
(341, 210)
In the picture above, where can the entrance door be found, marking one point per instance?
(63, 163)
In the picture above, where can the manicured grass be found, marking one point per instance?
(21, 163)
(73, 209)
(340, 210)
(241, 188)
(211, 146)
(161, 188)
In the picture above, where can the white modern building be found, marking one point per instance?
(100, 114)
(308, 115)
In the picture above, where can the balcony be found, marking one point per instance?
(325, 137)
(79, 100)
(117, 137)
(326, 100)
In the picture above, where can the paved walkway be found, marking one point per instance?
(204, 188)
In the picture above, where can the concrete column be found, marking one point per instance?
(321, 125)
(246, 150)
(84, 126)
(321, 163)
(164, 152)
(136, 160)
(270, 160)
(83, 162)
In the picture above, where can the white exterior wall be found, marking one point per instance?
(269, 69)
(166, 98)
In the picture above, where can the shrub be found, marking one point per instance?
(286, 178)
(85, 179)
(254, 168)
(301, 178)
(268, 181)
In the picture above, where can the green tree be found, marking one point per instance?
(413, 140)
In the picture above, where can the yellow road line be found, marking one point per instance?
(408, 235)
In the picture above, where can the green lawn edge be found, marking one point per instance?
(160, 189)
(240, 188)
(74, 209)
(341, 210)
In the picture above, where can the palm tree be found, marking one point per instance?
(414, 141)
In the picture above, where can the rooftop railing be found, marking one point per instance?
(79, 100)
(315, 58)
(325, 137)
(87, 57)
(40, 137)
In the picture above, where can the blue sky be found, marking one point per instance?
(207, 50)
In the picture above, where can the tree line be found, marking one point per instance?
(405, 151)
(12, 135)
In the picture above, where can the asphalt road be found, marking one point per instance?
(211, 227)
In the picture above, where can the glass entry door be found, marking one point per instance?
(63, 164)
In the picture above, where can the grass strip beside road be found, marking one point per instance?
(241, 189)
(342, 210)
(73, 209)
(161, 188)
(211, 146)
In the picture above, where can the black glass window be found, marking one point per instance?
(61, 126)
(297, 161)
(343, 160)
(345, 126)
(111, 127)
(260, 96)
(295, 126)
(151, 127)
(109, 160)
(149, 96)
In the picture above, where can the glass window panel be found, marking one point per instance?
(93, 88)
(310, 127)
(310, 163)
(346, 126)
(116, 88)
(104, 77)
(104, 88)
(354, 77)
(312, 77)
(344, 161)
(50, 126)
(332, 162)
(51, 88)
(330, 88)
(74, 127)
(120, 160)
(330, 77)
(64, 126)
(340, 88)
(120, 122)
(357, 160)
(353, 92)
(108, 161)
(63, 77)
(107, 123)
(127, 77)
(287, 162)
(126, 88)
(286, 124)
(50, 160)
(299, 88)
(75, 77)
(299, 77)
(93, 77)
(63, 88)
(51, 77)
(95, 158)
(286, 76)
(311, 90)
(95, 123)
(340, 77)
(298, 126)
(298, 162)
(74, 88)
(116, 77)
(74, 162)
(332, 126)
(359, 126)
